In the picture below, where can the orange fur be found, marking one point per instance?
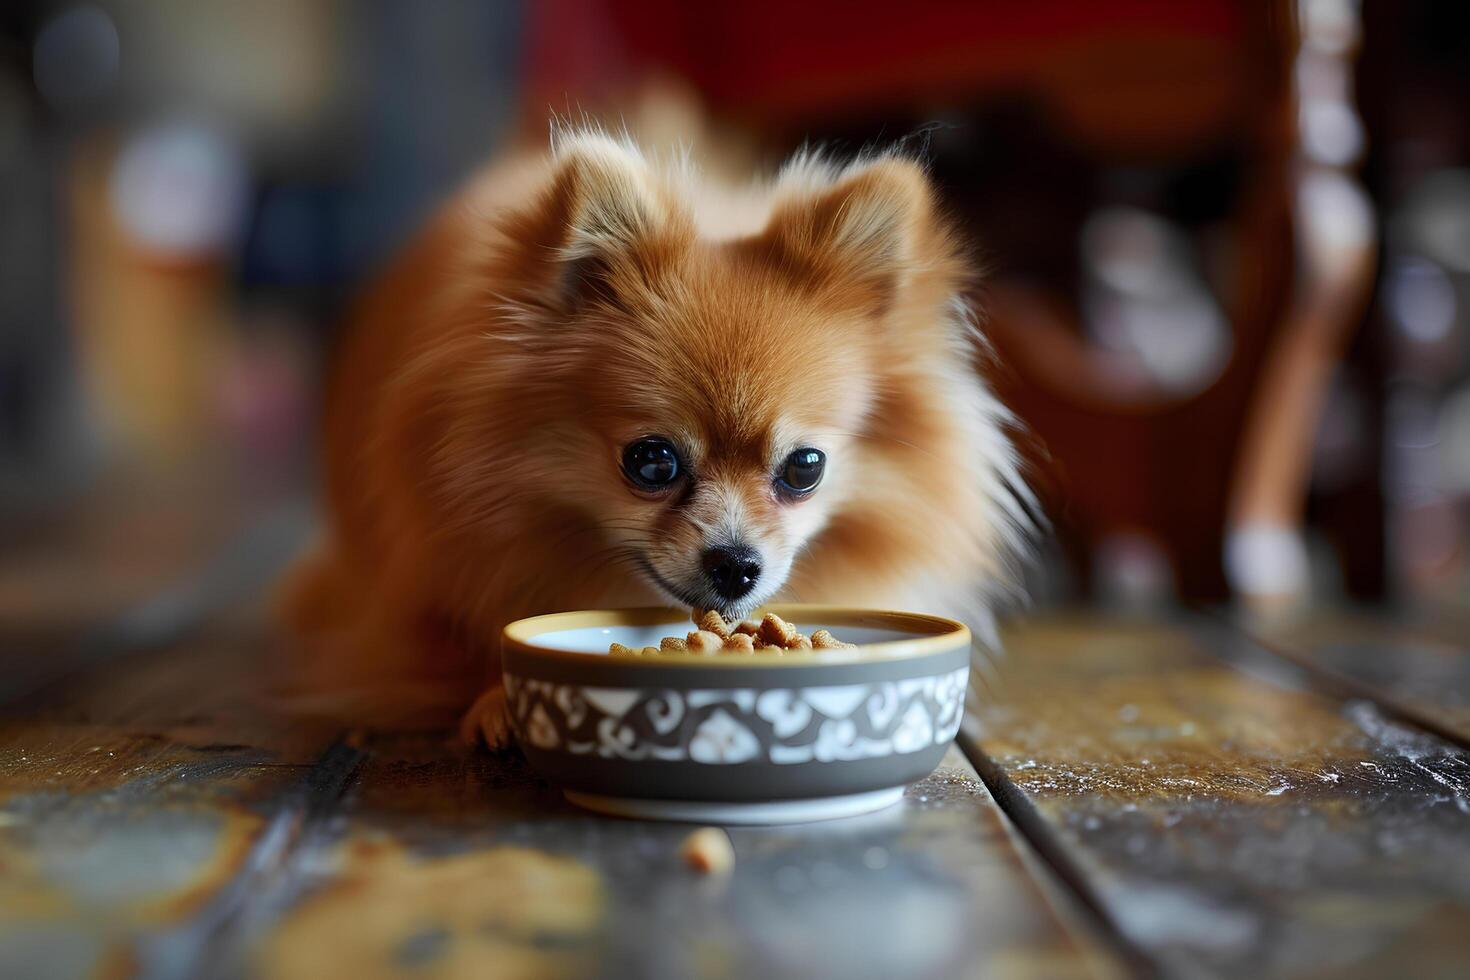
(565, 306)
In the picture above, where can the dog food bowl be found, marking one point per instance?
(735, 738)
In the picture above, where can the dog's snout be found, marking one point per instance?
(733, 571)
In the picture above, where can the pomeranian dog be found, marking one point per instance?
(597, 381)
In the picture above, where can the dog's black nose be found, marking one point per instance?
(732, 571)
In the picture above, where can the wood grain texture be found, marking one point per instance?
(132, 800)
(1227, 823)
(448, 864)
(1418, 660)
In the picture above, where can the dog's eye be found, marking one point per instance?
(802, 470)
(651, 463)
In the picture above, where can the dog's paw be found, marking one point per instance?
(488, 721)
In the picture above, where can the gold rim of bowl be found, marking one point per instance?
(935, 634)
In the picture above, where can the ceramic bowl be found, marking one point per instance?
(731, 738)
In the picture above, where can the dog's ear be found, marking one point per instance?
(866, 229)
(599, 223)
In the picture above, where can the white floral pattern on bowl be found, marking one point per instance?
(784, 726)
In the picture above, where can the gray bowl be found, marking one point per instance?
(731, 738)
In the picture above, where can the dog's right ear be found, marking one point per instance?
(600, 225)
(864, 227)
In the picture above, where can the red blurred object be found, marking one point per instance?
(1130, 79)
(766, 57)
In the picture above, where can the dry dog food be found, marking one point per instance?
(708, 851)
(771, 634)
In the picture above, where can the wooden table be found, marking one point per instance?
(1178, 796)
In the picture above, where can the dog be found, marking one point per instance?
(597, 380)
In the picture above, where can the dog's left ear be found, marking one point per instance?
(867, 229)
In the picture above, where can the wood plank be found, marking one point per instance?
(132, 800)
(1227, 822)
(449, 863)
(1416, 660)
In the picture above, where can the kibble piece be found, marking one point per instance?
(776, 630)
(703, 641)
(772, 635)
(708, 851)
(712, 622)
(740, 643)
(824, 640)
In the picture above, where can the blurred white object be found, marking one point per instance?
(1144, 300)
(1421, 300)
(1266, 561)
(179, 190)
(1329, 129)
(1334, 219)
(1331, 132)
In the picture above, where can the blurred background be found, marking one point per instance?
(1228, 251)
